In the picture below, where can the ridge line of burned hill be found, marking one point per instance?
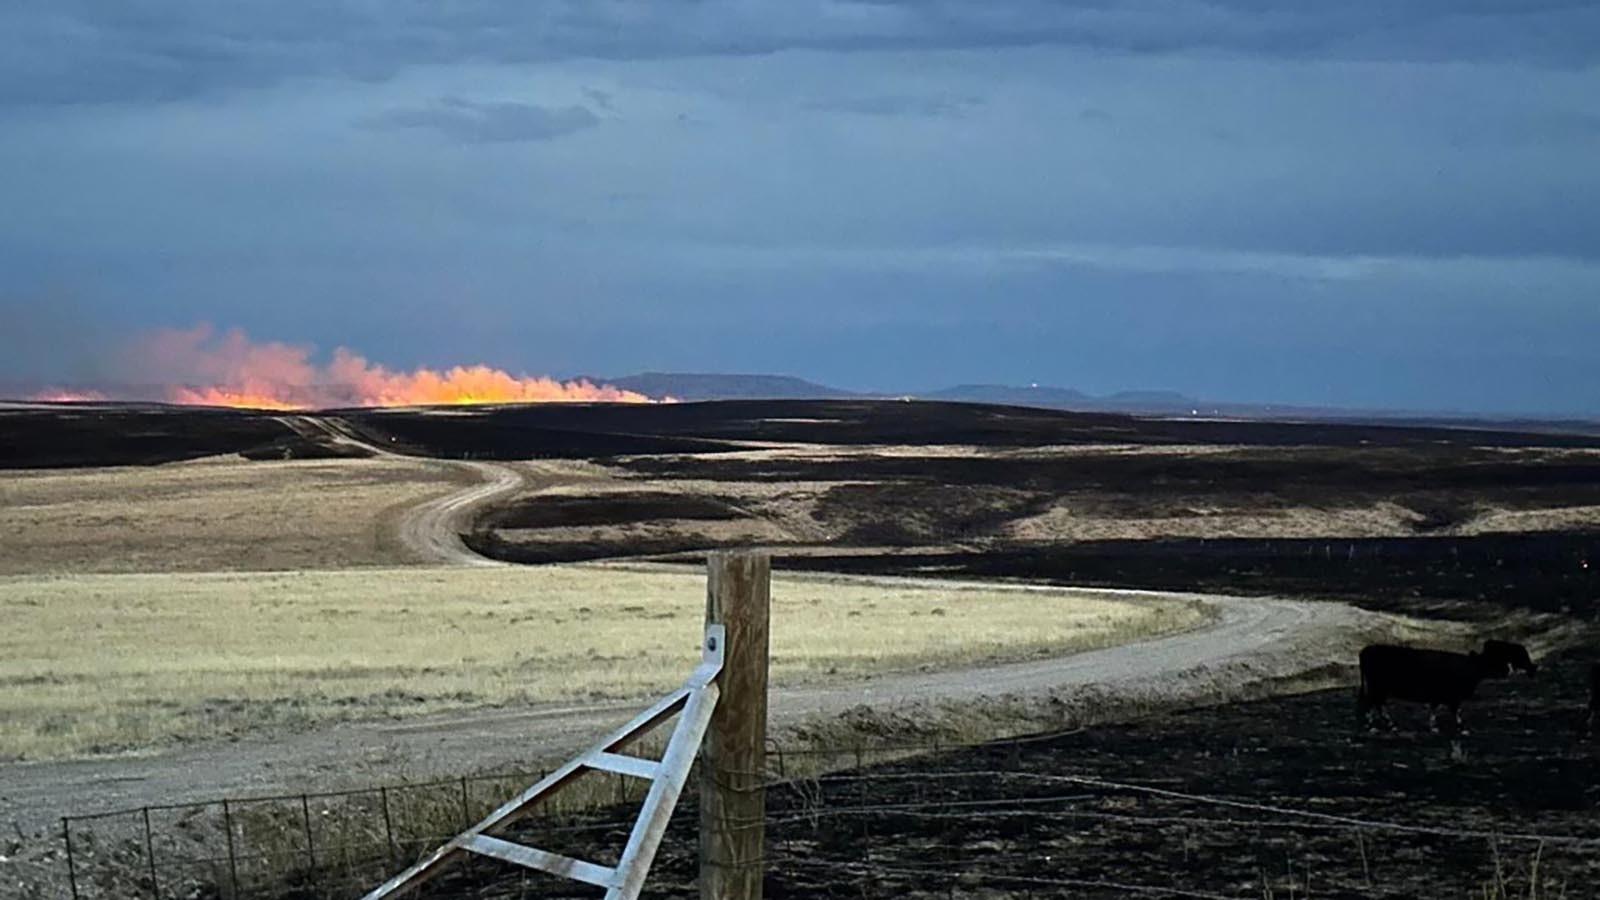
(70, 435)
(510, 432)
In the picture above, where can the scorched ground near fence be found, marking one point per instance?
(866, 821)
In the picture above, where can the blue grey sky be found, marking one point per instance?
(1375, 203)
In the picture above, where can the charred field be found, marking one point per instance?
(1269, 798)
(1193, 804)
(71, 435)
(1495, 528)
(512, 431)
(54, 435)
(1281, 797)
(1462, 520)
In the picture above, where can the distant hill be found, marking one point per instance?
(704, 386)
(711, 386)
(1009, 395)
(1066, 398)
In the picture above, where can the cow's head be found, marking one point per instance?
(1508, 655)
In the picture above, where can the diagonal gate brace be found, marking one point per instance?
(692, 703)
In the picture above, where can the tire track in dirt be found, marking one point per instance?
(431, 529)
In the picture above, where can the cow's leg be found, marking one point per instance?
(1383, 713)
(1372, 706)
(1455, 714)
(1363, 709)
(1375, 716)
(1433, 718)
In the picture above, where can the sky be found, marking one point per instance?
(1369, 204)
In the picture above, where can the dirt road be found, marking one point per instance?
(431, 529)
(1251, 641)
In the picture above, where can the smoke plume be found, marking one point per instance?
(202, 366)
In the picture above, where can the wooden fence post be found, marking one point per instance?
(733, 755)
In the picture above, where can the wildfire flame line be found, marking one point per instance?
(203, 368)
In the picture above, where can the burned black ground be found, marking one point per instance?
(90, 435)
(44, 435)
(1017, 818)
(523, 431)
(1070, 816)
(1482, 577)
(1443, 486)
(998, 820)
(907, 514)
(298, 446)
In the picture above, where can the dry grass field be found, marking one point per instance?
(106, 663)
(876, 497)
(220, 513)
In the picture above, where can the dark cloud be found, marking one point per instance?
(74, 51)
(487, 123)
(601, 99)
(1220, 196)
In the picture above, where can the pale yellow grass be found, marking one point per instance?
(1565, 518)
(1064, 521)
(99, 663)
(216, 514)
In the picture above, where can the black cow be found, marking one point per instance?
(1435, 677)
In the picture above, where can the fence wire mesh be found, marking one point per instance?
(867, 821)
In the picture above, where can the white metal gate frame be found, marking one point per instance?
(692, 703)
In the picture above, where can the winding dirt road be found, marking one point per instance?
(432, 529)
(1250, 643)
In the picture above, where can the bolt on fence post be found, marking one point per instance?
(233, 859)
(150, 856)
(311, 848)
(388, 824)
(72, 869)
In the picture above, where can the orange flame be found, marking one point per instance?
(207, 369)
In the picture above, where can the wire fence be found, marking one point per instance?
(322, 844)
(857, 821)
